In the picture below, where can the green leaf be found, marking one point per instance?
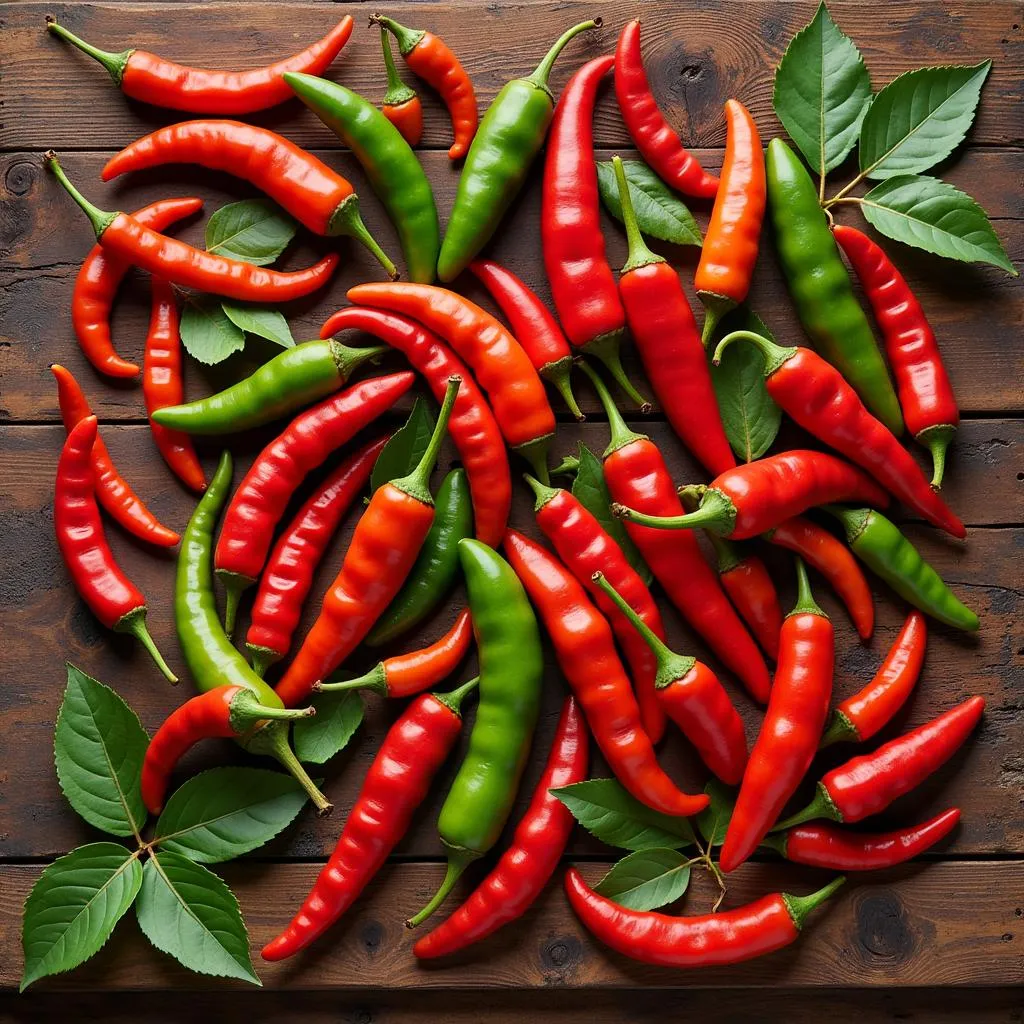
(822, 92)
(615, 817)
(225, 812)
(919, 119)
(187, 911)
(73, 907)
(647, 879)
(206, 331)
(264, 323)
(591, 491)
(714, 819)
(749, 414)
(933, 215)
(254, 230)
(400, 455)
(337, 717)
(99, 746)
(659, 211)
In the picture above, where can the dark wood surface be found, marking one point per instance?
(890, 942)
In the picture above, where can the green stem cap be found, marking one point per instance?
(800, 907)
(639, 254)
(621, 434)
(348, 360)
(558, 374)
(398, 92)
(100, 219)
(774, 355)
(536, 454)
(376, 681)
(262, 658)
(407, 38)
(715, 307)
(542, 491)
(347, 220)
(539, 78)
(936, 440)
(607, 349)
(247, 711)
(805, 602)
(726, 553)
(454, 698)
(115, 63)
(717, 514)
(417, 483)
(569, 466)
(272, 739)
(838, 729)
(235, 584)
(853, 520)
(458, 861)
(820, 807)
(134, 623)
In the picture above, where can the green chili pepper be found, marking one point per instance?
(509, 138)
(820, 285)
(511, 670)
(891, 557)
(294, 378)
(390, 165)
(437, 565)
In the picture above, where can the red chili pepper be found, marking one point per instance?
(659, 145)
(585, 649)
(536, 848)
(636, 473)
(726, 937)
(288, 577)
(859, 717)
(121, 502)
(929, 406)
(473, 427)
(97, 284)
(398, 780)
(814, 393)
(97, 577)
(401, 106)
(792, 725)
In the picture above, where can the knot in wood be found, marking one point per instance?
(883, 930)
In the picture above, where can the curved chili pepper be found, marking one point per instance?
(636, 473)
(533, 325)
(380, 555)
(162, 385)
(473, 428)
(789, 735)
(288, 577)
(401, 106)
(398, 780)
(120, 501)
(813, 393)
(866, 785)
(929, 406)
(152, 79)
(97, 283)
(97, 577)
(585, 649)
(305, 186)
(128, 240)
(694, 698)
(859, 717)
(726, 937)
(659, 145)
(666, 335)
(434, 62)
(536, 848)
(263, 495)
(733, 237)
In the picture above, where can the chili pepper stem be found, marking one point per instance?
(776, 843)
(135, 624)
(715, 307)
(543, 492)
(558, 374)
(272, 740)
(820, 807)
(407, 38)
(346, 220)
(639, 254)
(800, 907)
(936, 439)
(839, 729)
(605, 348)
(417, 483)
(247, 711)
(114, 62)
(569, 465)
(235, 584)
(716, 513)
(454, 698)
(805, 603)
(348, 360)
(100, 219)
(853, 520)
(375, 681)
(397, 92)
(621, 435)
(774, 355)
(458, 861)
(539, 78)
(535, 453)
(262, 659)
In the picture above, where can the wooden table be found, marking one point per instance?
(917, 940)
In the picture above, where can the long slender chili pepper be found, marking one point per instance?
(859, 717)
(262, 497)
(726, 937)
(533, 325)
(733, 237)
(511, 670)
(585, 649)
(510, 136)
(536, 848)
(306, 187)
(792, 726)
(117, 498)
(929, 406)
(288, 577)
(866, 785)
(97, 283)
(891, 557)
(636, 474)
(659, 145)
(666, 335)
(398, 781)
(434, 62)
(401, 105)
(162, 385)
(472, 427)
(813, 393)
(693, 697)
(380, 556)
(152, 79)
(97, 577)
(128, 240)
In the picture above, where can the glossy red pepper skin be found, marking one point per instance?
(536, 848)
(407, 117)
(754, 596)
(659, 145)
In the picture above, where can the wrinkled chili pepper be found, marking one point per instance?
(97, 577)
(792, 725)
(537, 845)
(401, 105)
